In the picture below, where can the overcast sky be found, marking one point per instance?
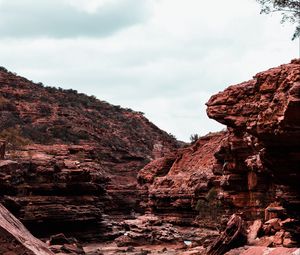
(162, 57)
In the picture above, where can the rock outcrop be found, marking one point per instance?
(250, 169)
(174, 185)
(70, 165)
(263, 120)
(57, 188)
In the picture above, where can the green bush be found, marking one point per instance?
(210, 206)
(194, 138)
(211, 195)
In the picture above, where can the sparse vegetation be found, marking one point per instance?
(172, 136)
(194, 138)
(50, 115)
(210, 206)
(3, 69)
(211, 194)
(14, 138)
(44, 109)
(289, 10)
(6, 105)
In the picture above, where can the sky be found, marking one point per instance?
(162, 57)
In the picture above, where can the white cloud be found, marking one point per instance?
(59, 19)
(166, 65)
(90, 6)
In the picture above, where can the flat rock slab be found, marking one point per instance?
(259, 250)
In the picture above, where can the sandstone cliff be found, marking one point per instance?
(173, 185)
(250, 169)
(263, 118)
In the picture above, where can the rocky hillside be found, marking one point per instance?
(70, 156)
(47, 115)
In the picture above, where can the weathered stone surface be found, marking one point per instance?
(48, 187)
(16, 239)
(274, 223)
(252, 168)
(262, 116)
(73, 249)
(266, 107)
(278, 238)
(263, 251)
(172, 186)
(94, 151)
(150, 230)
(253, 231)
(59, 239)
(82, 156)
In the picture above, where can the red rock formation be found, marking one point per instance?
(81, 159)
(57, 188)
(251, 169)
(172, 186)
(252, 165)
(263, 117)
(266, 107)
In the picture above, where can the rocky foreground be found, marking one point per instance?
(233, 192)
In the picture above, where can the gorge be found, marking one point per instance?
(87, 177)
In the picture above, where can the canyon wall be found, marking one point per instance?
(71, 159)
(76, 167)
(51, 189)
(263, 116)
(250, 169)
(15, 238)
(173, 185)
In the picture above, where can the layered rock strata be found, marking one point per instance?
(251, 169)
(72, 159)
(174, 185)
(54, 189)
(263, 117)
(15, 238)
(123, 140)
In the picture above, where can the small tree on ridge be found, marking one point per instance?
(289, 9)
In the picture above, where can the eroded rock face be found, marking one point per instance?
(263, 119)
(123, 140)
(251, 169)
(172, 186)
(266, 107)
(54, 189)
